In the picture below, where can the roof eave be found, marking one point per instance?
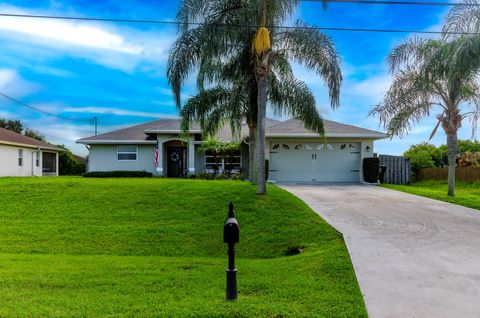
(292, 135)
(173, 131)
(115, 141)
(17, 144)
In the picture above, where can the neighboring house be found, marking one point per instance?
(80, 158)
(294, 153)
(22, 156)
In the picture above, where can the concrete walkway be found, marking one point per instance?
(413, 256)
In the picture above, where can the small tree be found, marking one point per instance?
(68, 164)
(423, 156)
(468, 145)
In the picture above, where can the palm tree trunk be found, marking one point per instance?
(252, 175)
(452, 161)
(262, 113)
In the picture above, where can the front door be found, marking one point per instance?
(175, 162)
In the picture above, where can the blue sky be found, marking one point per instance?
(116, 71)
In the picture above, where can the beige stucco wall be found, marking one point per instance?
(9, 162)
(104, 158)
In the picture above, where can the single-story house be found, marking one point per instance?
(22, 156)
(294, 153)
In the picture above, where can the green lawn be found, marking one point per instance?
(153, 248)
(466, 194)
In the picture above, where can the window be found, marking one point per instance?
(20, 157)
(233, 162)
(127, 153)
(229, 162)
(37, 158)
(210, 160)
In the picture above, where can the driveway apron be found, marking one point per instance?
(413, 256)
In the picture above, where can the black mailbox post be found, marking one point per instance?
(231, 235)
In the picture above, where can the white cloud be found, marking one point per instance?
(372, 88)
(116, 111)
(121, 48)
(5, 114)
(12, 84)
(71, 32)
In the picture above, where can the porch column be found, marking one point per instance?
(191, 155)
(160, 159)
(57, 159)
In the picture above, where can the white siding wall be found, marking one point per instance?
(104, 158)
(9, 162)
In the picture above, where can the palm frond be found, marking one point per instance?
(411, 52)
(215, 106)
(462, 19)
(314, 50)
(408, 100)
(292, 97)
(184, 55)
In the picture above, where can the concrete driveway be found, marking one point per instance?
(413, 256)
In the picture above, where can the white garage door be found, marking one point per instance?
(322, 162)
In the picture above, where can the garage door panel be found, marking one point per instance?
(331, 162)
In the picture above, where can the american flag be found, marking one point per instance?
(155, 157)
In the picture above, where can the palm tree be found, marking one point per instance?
(432, 74)
(34, 134)
(12, 125)
(234, 101)
(214, 40)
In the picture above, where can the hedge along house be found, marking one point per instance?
(22, 156)
(295, 154)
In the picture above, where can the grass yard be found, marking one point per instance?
(153, 248)
(466, 194)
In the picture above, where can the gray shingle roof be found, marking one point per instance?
(295, 127)
(291, 127)
(10, 137)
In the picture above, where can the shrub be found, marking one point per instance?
(468, 159)
(424, 156)
(118, 174)
(204, 175)
(371, 169)
(68, 164)
(468, 146)
(239, 176)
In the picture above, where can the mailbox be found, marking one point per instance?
(231, 231)
(231, 236)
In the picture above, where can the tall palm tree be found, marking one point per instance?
(12, 125)
(34, 134)
(234, 100)
(214, 40)
(432, 75)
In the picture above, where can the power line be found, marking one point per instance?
(41, 111)
(415, 3)
(232, 25)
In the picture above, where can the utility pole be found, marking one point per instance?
(94, 122)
